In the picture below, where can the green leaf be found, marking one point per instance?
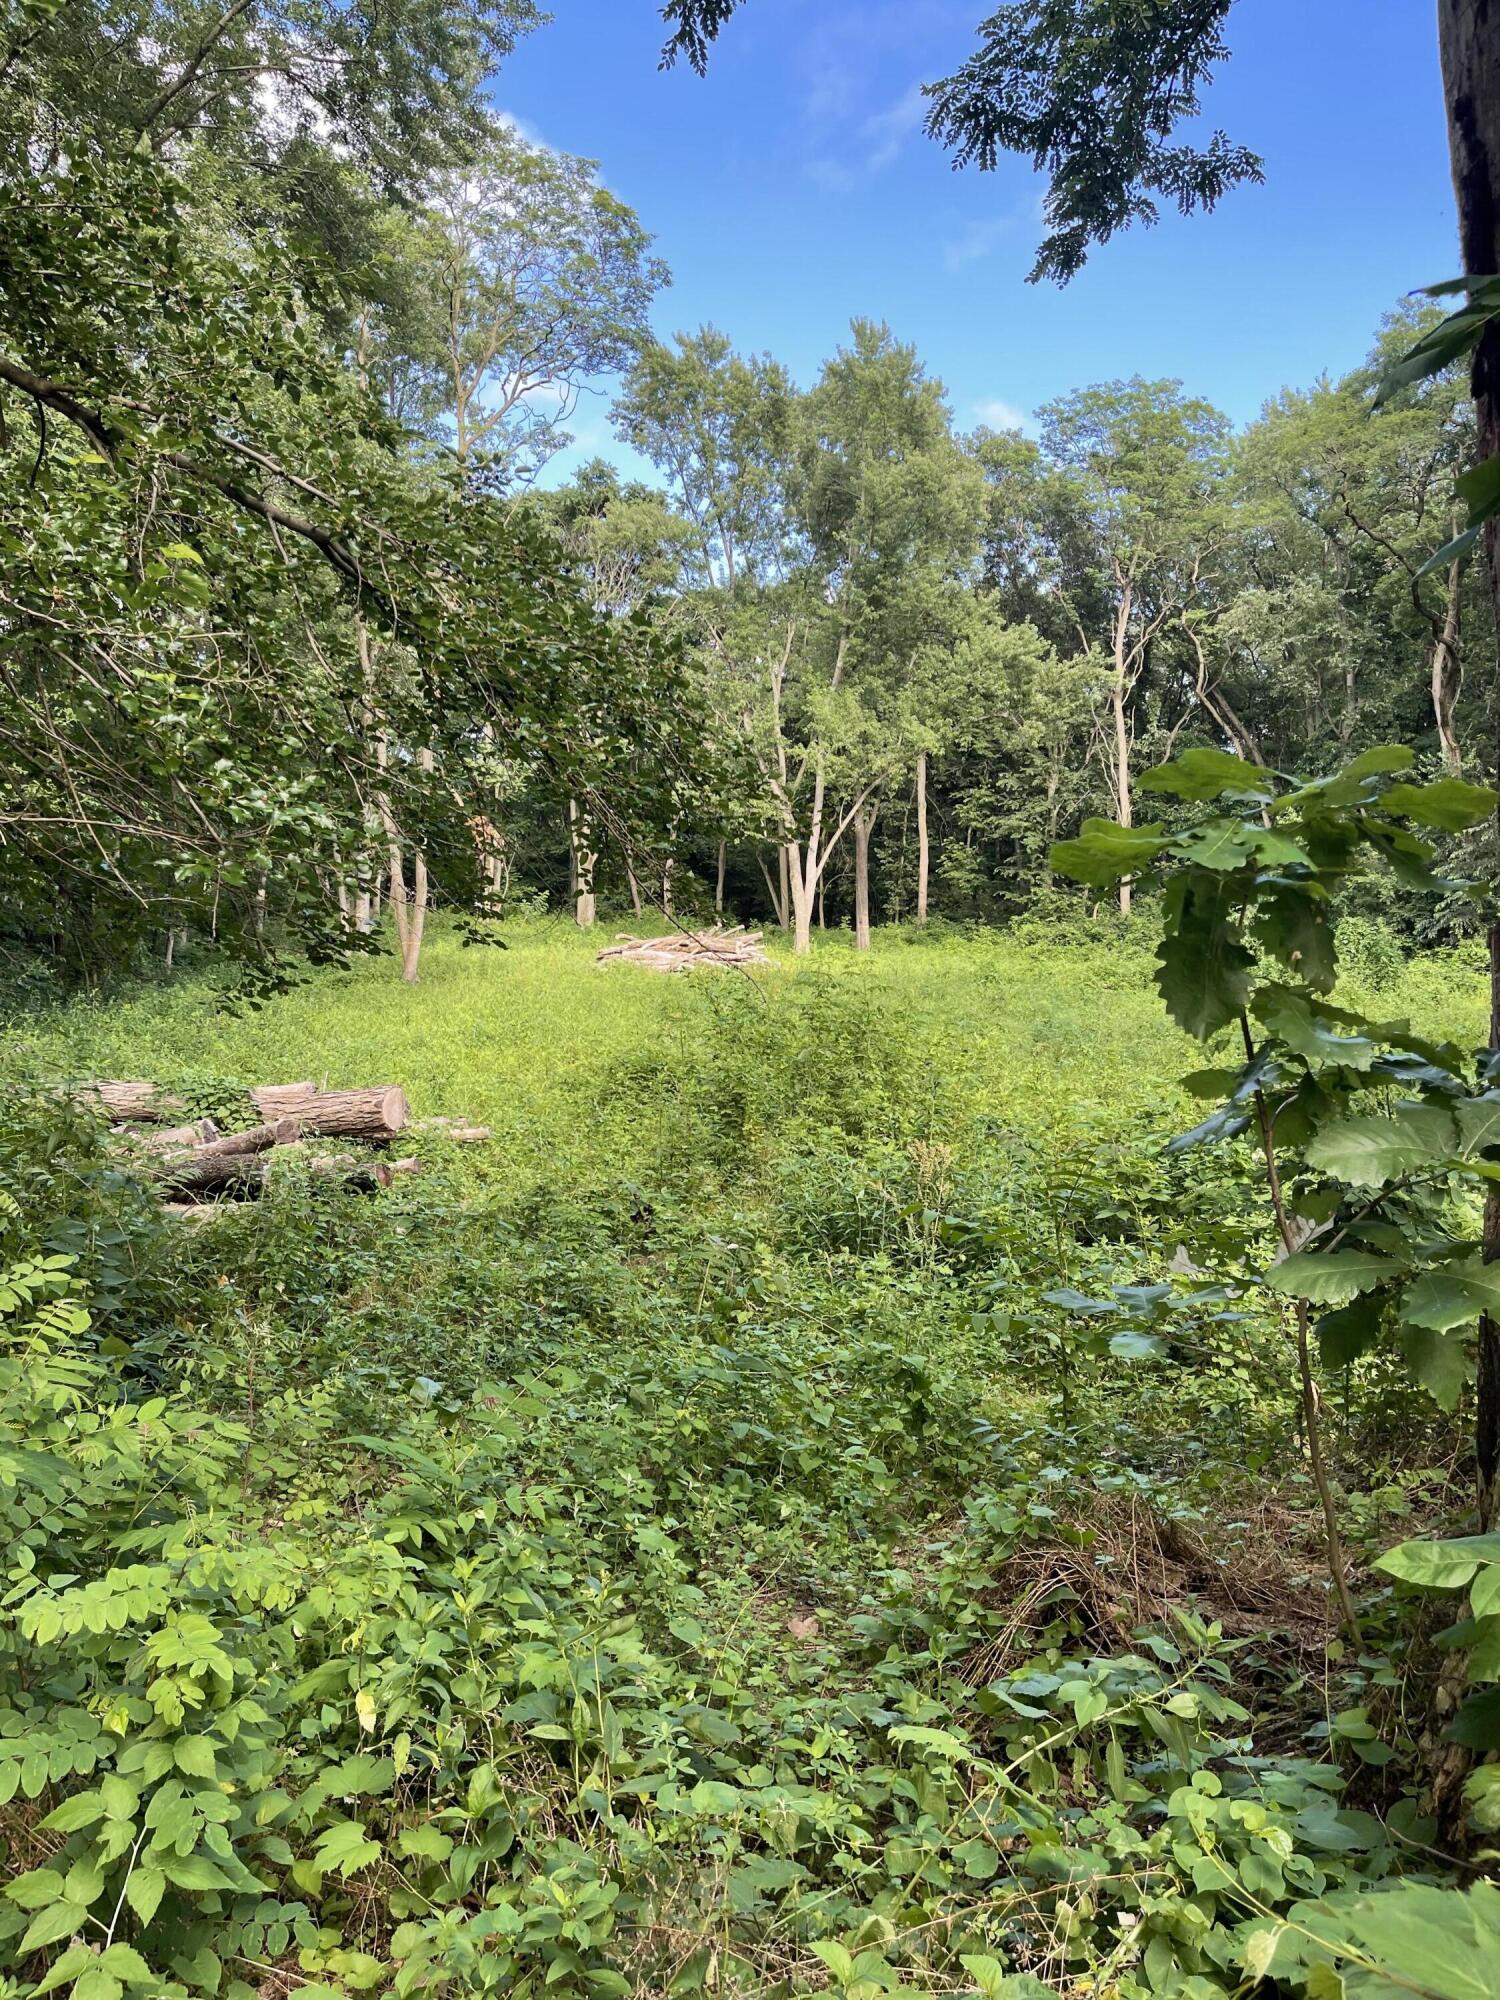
(143, 1891)
(1439, 1361)
(1368, 1151)
(51, 1925)
(1439, 1299)
(195, 1757)
(1383, 757)
(1292, 923)
(346, 1847)
(1345, 1335)
(1478, 1123)
(1436, 1943)
(1206, 774)
(1436, 1565)
(1332, 1277)
(1452, 805)
(1319, 1033)
(1446, 343)
(1203, 971)
(35, 1889)
(1484, 1651)
(1104, 851)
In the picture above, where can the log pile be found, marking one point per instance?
(192, 1162)
(688, 951)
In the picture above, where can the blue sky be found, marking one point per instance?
(792, 189)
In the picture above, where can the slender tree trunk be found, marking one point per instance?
(923, 850)
(864, 822)
(1469, 45)
(1444, 661)
(635, 889)
(581, 862)
(785, 876)
(666, 889)
(822, 911)
(1120, 722)
(802, 892)
(719, 884)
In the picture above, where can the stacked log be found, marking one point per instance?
(688, 951)
(134, 1102)
(377, 1114)
(193, 1161)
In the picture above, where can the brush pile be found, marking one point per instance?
(687, 951)
(190, 1161)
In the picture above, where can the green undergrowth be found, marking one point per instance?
(691, 1543)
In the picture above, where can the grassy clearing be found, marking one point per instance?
(691, 1543)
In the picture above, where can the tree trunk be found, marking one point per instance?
(1469, 46)
(1122, 764)
(802, 885)
(1444, 664)
(719, 884)
(635, 889)
(379, 1113)
(581, 862)
(923, 851)
(134, 1103)
(786, 892)
(164, 1138)
(864, 822)
(202, 1167)
(666, 889)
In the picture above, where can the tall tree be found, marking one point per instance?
(545, 280)
(1145, 468)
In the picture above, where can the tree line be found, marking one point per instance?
(294, 631)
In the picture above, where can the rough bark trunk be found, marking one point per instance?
(581, 869)
(1444, 664)
(1122, 767)
(864, 822)
(635, 890)
(802, 885)
(134, 1102)
(345, 1114)
(719, 884)
(162, 1138)
(923, 851)
(1469, 47)
(201, 1167)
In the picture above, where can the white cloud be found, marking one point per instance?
(979, 240)
(880, 139)
(1001, 416)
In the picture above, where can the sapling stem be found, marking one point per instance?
(1311, 1414)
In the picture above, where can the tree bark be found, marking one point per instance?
(719, 884)
(1469, 47)
(134, 1102)
(864, 822)
(1121, 723)
(1444, 673)
(923, 851)
(201, 1167)
(581, 862)
(377, 1114)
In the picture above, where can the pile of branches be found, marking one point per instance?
(686, 951)
(191, 1161)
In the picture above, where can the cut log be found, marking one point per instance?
(279, 1100)
(195, 1175)
(258, 1139)
(135, 1102)
(162, 1138)
(469, 1135)
(377, 1114)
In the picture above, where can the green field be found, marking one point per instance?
(680, 1545)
